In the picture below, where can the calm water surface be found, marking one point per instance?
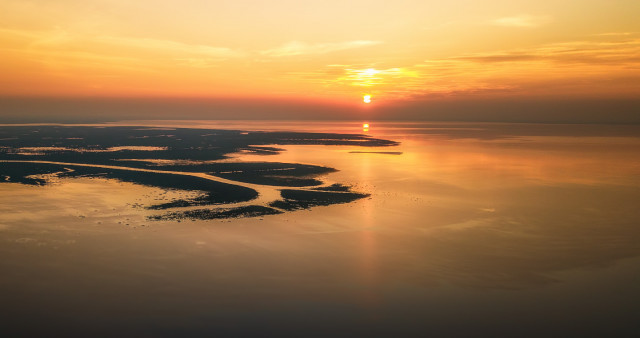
(470, 230)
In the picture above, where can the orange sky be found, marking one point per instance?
(332, 51)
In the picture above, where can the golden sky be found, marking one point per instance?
(331, 50)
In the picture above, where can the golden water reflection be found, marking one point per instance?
(505, 212)
(449, 216)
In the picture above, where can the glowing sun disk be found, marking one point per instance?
(370, 72)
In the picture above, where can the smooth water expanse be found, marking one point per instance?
(475, 230)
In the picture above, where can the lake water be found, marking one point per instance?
(470, 230)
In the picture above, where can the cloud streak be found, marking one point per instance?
(522, 21)
(59, 39)
(606, 66)
(169, 46)
(623, 52)
(294, 48)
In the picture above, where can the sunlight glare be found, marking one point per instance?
(370, 72)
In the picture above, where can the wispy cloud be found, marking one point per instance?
(369, 77)
(61, 51)
(594, 53)
(58, 39)
(607, 65)
(524, 21)
(617, 34)
(303, 48)
(170, 46)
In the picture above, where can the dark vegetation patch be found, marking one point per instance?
(265, 173)
(262, 150)
(284, 138)
(377, 152)
(21, 172)
(285, 181)
(185, 150)
(196, 146)
(271, 173)
(334, 187)
(213, 192)
(184, 143)
(304, 199)
(205, 214)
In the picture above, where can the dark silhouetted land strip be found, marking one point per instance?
(212, 192)
(87, 143)
(204, 214)
(334, 187)
(377, 152)
(141, 155)
(304, 199)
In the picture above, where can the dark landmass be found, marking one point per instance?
(271, 173)
(265, 173)
(377, 152)
(212, 192)
(88, 144)
(181, 152)
(304, 199)
(258, 150)
(334, 187)
(26, 173)
(188, 149)
(204, 214)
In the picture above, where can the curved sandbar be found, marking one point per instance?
(264, 193)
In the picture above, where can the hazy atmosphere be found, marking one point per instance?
(530, 61)
(319, 169)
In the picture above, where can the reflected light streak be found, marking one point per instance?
(368, 245)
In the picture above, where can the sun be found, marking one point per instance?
(370, 72)
(366, 99)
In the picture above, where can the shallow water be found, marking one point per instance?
(470, 230)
